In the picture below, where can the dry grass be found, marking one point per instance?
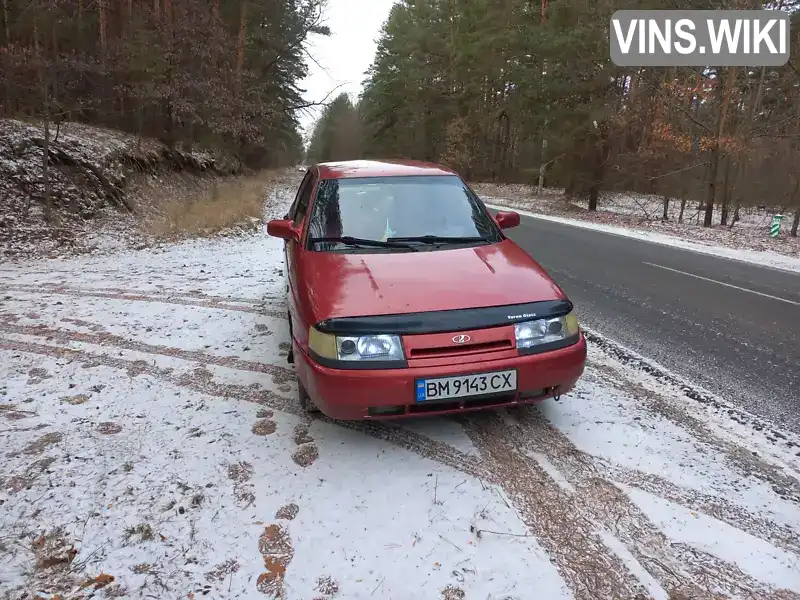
(189, 206)
(139, 534)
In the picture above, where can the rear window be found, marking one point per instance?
(378, 208)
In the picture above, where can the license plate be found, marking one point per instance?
(463, 386)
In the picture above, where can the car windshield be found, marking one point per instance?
(386, 214)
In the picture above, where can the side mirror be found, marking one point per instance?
(507, 219)
(284, 229)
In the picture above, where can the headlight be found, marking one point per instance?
(531, 334)
(355, 348)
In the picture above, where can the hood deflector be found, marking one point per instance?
(444, 321)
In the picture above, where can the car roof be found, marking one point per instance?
(379, 168)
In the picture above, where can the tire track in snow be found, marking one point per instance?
(505, 459)
(200, 380)
(676, 567)
(553, 515)
(745, 461)
(176, 299)
(421, 445)
(713, 506)
(630, 359)
(280, 375)
(193, 293)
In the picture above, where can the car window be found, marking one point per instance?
(303, 187)
(378, 208)
(303, 198)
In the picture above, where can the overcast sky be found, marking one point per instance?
(345, 56)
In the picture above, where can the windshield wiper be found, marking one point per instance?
(362, 242)
(440, 239)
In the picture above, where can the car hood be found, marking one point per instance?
(354, 285)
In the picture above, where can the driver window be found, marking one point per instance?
(297, 199)
(302, 202)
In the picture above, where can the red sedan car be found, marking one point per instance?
(405, 297)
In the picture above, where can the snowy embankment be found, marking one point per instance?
(153, 447)
(90, 198)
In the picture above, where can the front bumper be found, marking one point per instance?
(355, 394)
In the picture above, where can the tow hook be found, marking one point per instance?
(557, 393)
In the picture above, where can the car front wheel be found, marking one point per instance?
(306, 403)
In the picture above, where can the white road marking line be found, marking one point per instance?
(736, 287)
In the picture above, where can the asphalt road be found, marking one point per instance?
(728, 326)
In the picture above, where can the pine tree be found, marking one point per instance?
(517, 90)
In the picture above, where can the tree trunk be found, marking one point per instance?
(240, 43)
(723, 220)
(601, 156)
(40, 72)
(724, 96)
(759, 94)
(101, 7)
(540, 184)
(504, 147)
(711, 193)
(683, 207)
(593, 194)
(6, 25)
(665, 216)
(139, 123)
(796, 222)
(735, 215)
(48, 201)
(170, 74)
(53, 37)
(6, 43)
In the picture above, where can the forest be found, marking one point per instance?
(212, 74)
(525, 91)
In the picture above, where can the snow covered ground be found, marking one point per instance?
(153, 448)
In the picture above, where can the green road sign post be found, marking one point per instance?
(775, 228)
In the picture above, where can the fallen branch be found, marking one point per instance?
(112, 191)
(479, 532)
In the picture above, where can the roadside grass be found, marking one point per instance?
(192, 206)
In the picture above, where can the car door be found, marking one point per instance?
(290, 215)
(292, 248)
